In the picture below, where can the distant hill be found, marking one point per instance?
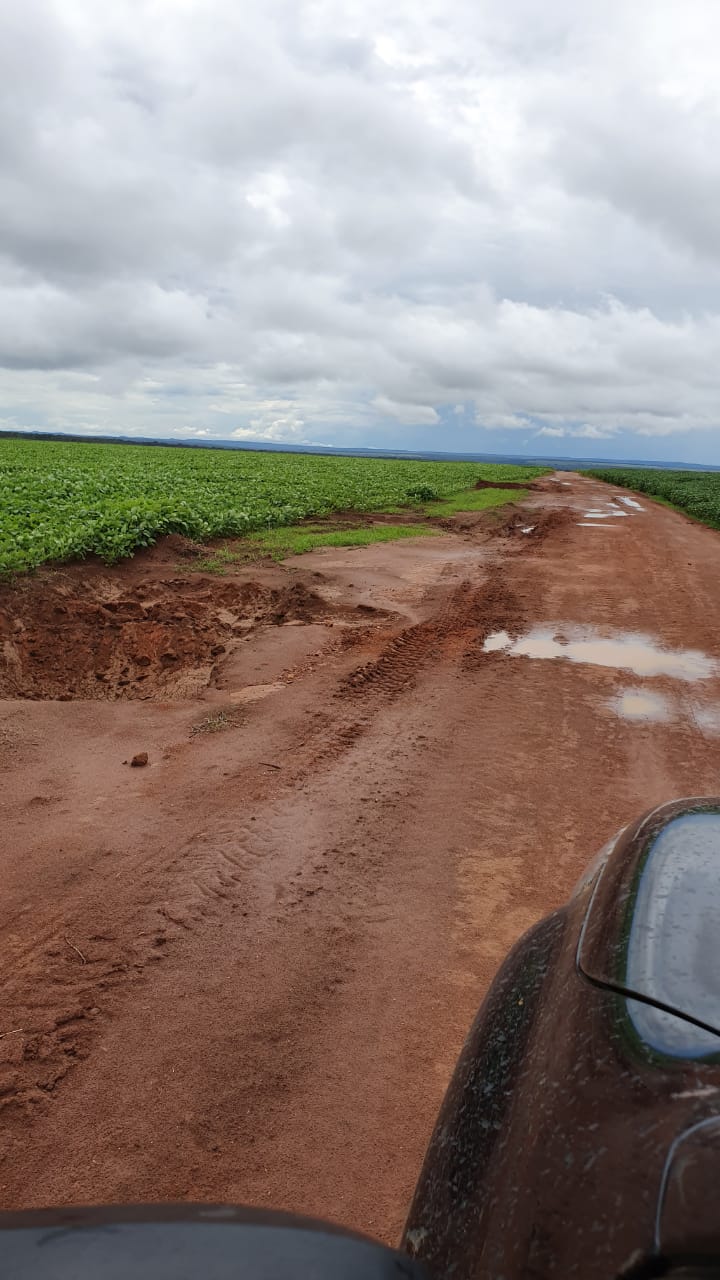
(262, 446)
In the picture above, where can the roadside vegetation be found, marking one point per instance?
(697, 493)
(217, 722)
(295, 540)
(64, 501)
(474, 500)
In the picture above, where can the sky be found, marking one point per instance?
(435, 224)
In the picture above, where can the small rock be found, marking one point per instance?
(139, 760)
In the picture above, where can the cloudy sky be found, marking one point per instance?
(488, 225)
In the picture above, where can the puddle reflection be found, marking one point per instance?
(625, 651)
(636, 704)
(707, 719)
(603, 515)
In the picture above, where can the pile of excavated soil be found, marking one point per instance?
(67, 637)
(532, 524)
(141, 631)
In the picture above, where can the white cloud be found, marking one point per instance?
(319, 220)
(411, 415)
(594, 433)
(586, 432)
(278, 422)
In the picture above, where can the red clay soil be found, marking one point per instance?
(243, 972)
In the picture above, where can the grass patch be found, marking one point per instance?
(296, 540)
(473, 500)
(216, 722)
(218, 562)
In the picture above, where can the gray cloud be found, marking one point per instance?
(312, 221)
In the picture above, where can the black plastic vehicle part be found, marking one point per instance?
(189, 1242)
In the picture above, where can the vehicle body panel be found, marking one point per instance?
(550, 1151)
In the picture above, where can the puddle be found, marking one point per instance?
(497, 642)
(642, 707)
(636, 704)
(254, 692)
(624, 651)
(530, 528)
(630, 502)
(588, 524)
(602, 515)
(708, 719)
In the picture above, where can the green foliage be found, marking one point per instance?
(62, 501)
(474, 500)
(218, 562)
(422, 493)
(280, 543)
(695, 492)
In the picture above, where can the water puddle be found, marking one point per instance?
(603, 515)
(530, 528)
(642, 707)
(623, 651)
(588, 524)
(630, 502)
(498, 642)
(707, 719)
(636, 704)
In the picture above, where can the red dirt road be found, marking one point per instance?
(243, 973)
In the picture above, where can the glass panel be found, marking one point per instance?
(653, 925)
(673, 951)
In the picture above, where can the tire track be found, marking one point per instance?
(466, 617)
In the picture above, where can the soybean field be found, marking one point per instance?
(63, 501)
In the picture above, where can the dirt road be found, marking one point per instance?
(243, 972)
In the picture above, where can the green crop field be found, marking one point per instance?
(62, 501)
(695, 492)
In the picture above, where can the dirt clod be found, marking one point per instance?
(140, 760)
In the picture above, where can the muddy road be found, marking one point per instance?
(244, 971)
